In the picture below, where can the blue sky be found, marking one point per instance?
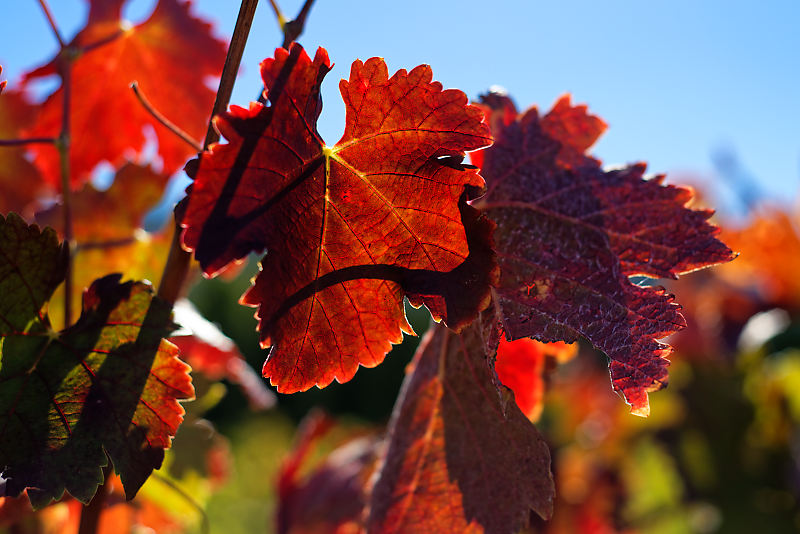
(676, 81)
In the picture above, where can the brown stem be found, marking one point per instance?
(28, 141)
(231, 68)
(52, 23)
(293, 28)
(63, 144)
(90, 514)
(177, 267)
(168, 124)
(105, 40)
(104, 245)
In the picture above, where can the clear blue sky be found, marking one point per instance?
(675, 80)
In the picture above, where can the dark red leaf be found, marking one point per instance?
(171, 55)
(349, 229)
(570, 234)
(330, 497)
(460, 457)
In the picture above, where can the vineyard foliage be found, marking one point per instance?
(528, 253)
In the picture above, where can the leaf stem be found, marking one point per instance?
(52, 23)
(177, 267)
(278, 14)
(168, 124)
(29, 141)
(205, 527)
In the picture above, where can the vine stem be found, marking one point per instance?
(90, 514)
(168, 124)
(29, 141)
(49, 16)
(177, 267)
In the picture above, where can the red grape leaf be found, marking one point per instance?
(206, 349)
(171, 55)
(459, 459)
(328, 498)
(111, 215)
(20, 181)
(109, 384)
(520, 366)
(349, 229)
(570, 234)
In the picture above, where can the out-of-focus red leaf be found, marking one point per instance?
(330, 498)
(3, 83)
(570, 234)
(214, 354)
(171, 55)
(460, 457)
(770, 257)
(20, 181)
(101, 217)
(107, 385)
(352, 228)
(520, 366)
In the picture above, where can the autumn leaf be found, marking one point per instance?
(329, 497)
(460, 458)
(351, 228)
(20, 181)
(207, 350)
(111, 55)
(520, 366)
(770, 257)
(109, 384)
(569, 235)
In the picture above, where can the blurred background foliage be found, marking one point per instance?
(720, 452)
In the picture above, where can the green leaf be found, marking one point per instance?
(108, 385)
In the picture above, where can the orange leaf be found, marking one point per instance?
(171, 55)
(520, 366)
(349, 229)
(459, 459)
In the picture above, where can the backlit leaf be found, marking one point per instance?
(207, 350)
(20, 181)
(460, 458)
(349, 229)
(569, 235)
(521, 366)
(171, 55)
(109, 384)
(114, 214)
